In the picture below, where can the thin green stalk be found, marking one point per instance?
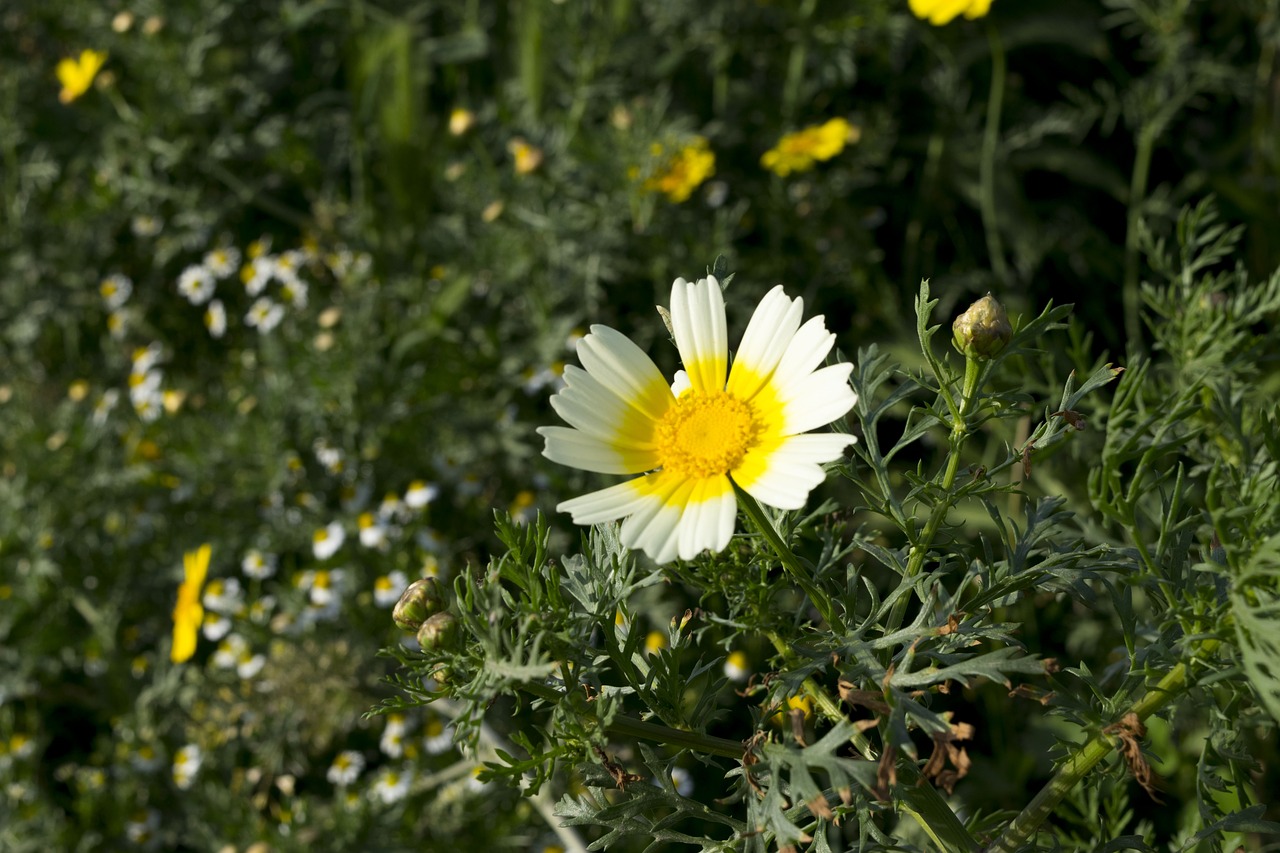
(1137, 195)
(795, 62)
(798, 571)
(987, 167)
(1024, 826)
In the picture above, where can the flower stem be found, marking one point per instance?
(1024, 826)
(1137, 195)
(986, 168)
(799, 572)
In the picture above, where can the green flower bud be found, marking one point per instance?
(418, 603)
(437, 632)
(983, 331)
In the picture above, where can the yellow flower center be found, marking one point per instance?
(705, 435)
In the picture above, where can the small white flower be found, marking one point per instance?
(287, 265)
(258, 565)
(144, 759)
(148, 407)
(373, 533)
(323, 587)
(392, 785)
(229, 651)
(118, 325)
(260, 610)
(392, 743)
(419, 494)
(345, 768)
(145, 358)
(141, 828)
(249, 665)
(264, 315)
(326, 541)
(222, 261)
(256, 273)
(391, 507)
(294, 292)
(105, 405)
(196, 283)
(436, 736)
(186, 763)
(388, 588)
(215, 627)
(115, 290)
(144, 385)
(144, 225)
(215, 318)
(223, 595)
(328, 456)
(736, 667)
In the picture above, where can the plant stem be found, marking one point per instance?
(1137, 194)
(987, 168)
(798, 571)
(1024, 826)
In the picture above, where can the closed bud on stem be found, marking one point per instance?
(983, 331)
(422, 599)
(439, 631)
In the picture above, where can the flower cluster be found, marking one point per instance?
(799, 151)
(940, 12)
(678, 174)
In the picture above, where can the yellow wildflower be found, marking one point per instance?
(939, 12)
(798, 151)
(76, 75)
(684, 171)
(527, 157)
(460, 121)
(188, 614)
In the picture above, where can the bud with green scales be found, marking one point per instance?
(439, 631)
(419, 602)
(983, 331)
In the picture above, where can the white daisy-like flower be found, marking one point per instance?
(142, 827)
(229, 651)
(287, 265)
(345, 768)
(258, 565)
(326, 541)
(115, 290)
(222, 261)
(737, 667)
(223, 595)
(105, 405)
(294, 291)
(186, 764)
(196, 283)
(748, 430)
(144, 759)
(392, 742)
(144, 225)
(264, 315)
(436, 736)
(420, 493)
(118, 325)
(260, 610)
(388, 588)
(256, 274)
(215, 318)
(391, 507)
(323, 587)
(249, 664)
(392, 785)
(215, 626)
(328, 456)
(373, 533)
(149, 407)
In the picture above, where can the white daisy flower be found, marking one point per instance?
(323, 587)
(144, 385)
(392, 785)
(249, 665)
(258, 565)
(388, 588)
(260, 610)
(223, 595)
(436, 736)
(328, 456)
(373, 533)
(142, 827)
(420, 493)
(345, 768)
(287, 265)
(196, 283)
(144, 759)
(149, 407)
(186, 763)
(473, 782)
(748, 430)
(326, 541)
(391, 507)
(294, 291)
(257, 273)
(737, 667)
(115, 290)
(144, 225)
(215, 626)
(215, 318)
(222, 261)
(229, 651)
(264, 315)
(392, 743)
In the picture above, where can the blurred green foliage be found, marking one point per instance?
(446, 270)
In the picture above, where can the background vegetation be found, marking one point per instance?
(460, 190)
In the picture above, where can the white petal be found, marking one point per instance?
(708, 519)
(783, 476)
(653, 527)
(580, 450)
(698, 323)
(611, 503)
(770, 330)
(805, 352)
(817, 399)
(586, 404)
(622, 367)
